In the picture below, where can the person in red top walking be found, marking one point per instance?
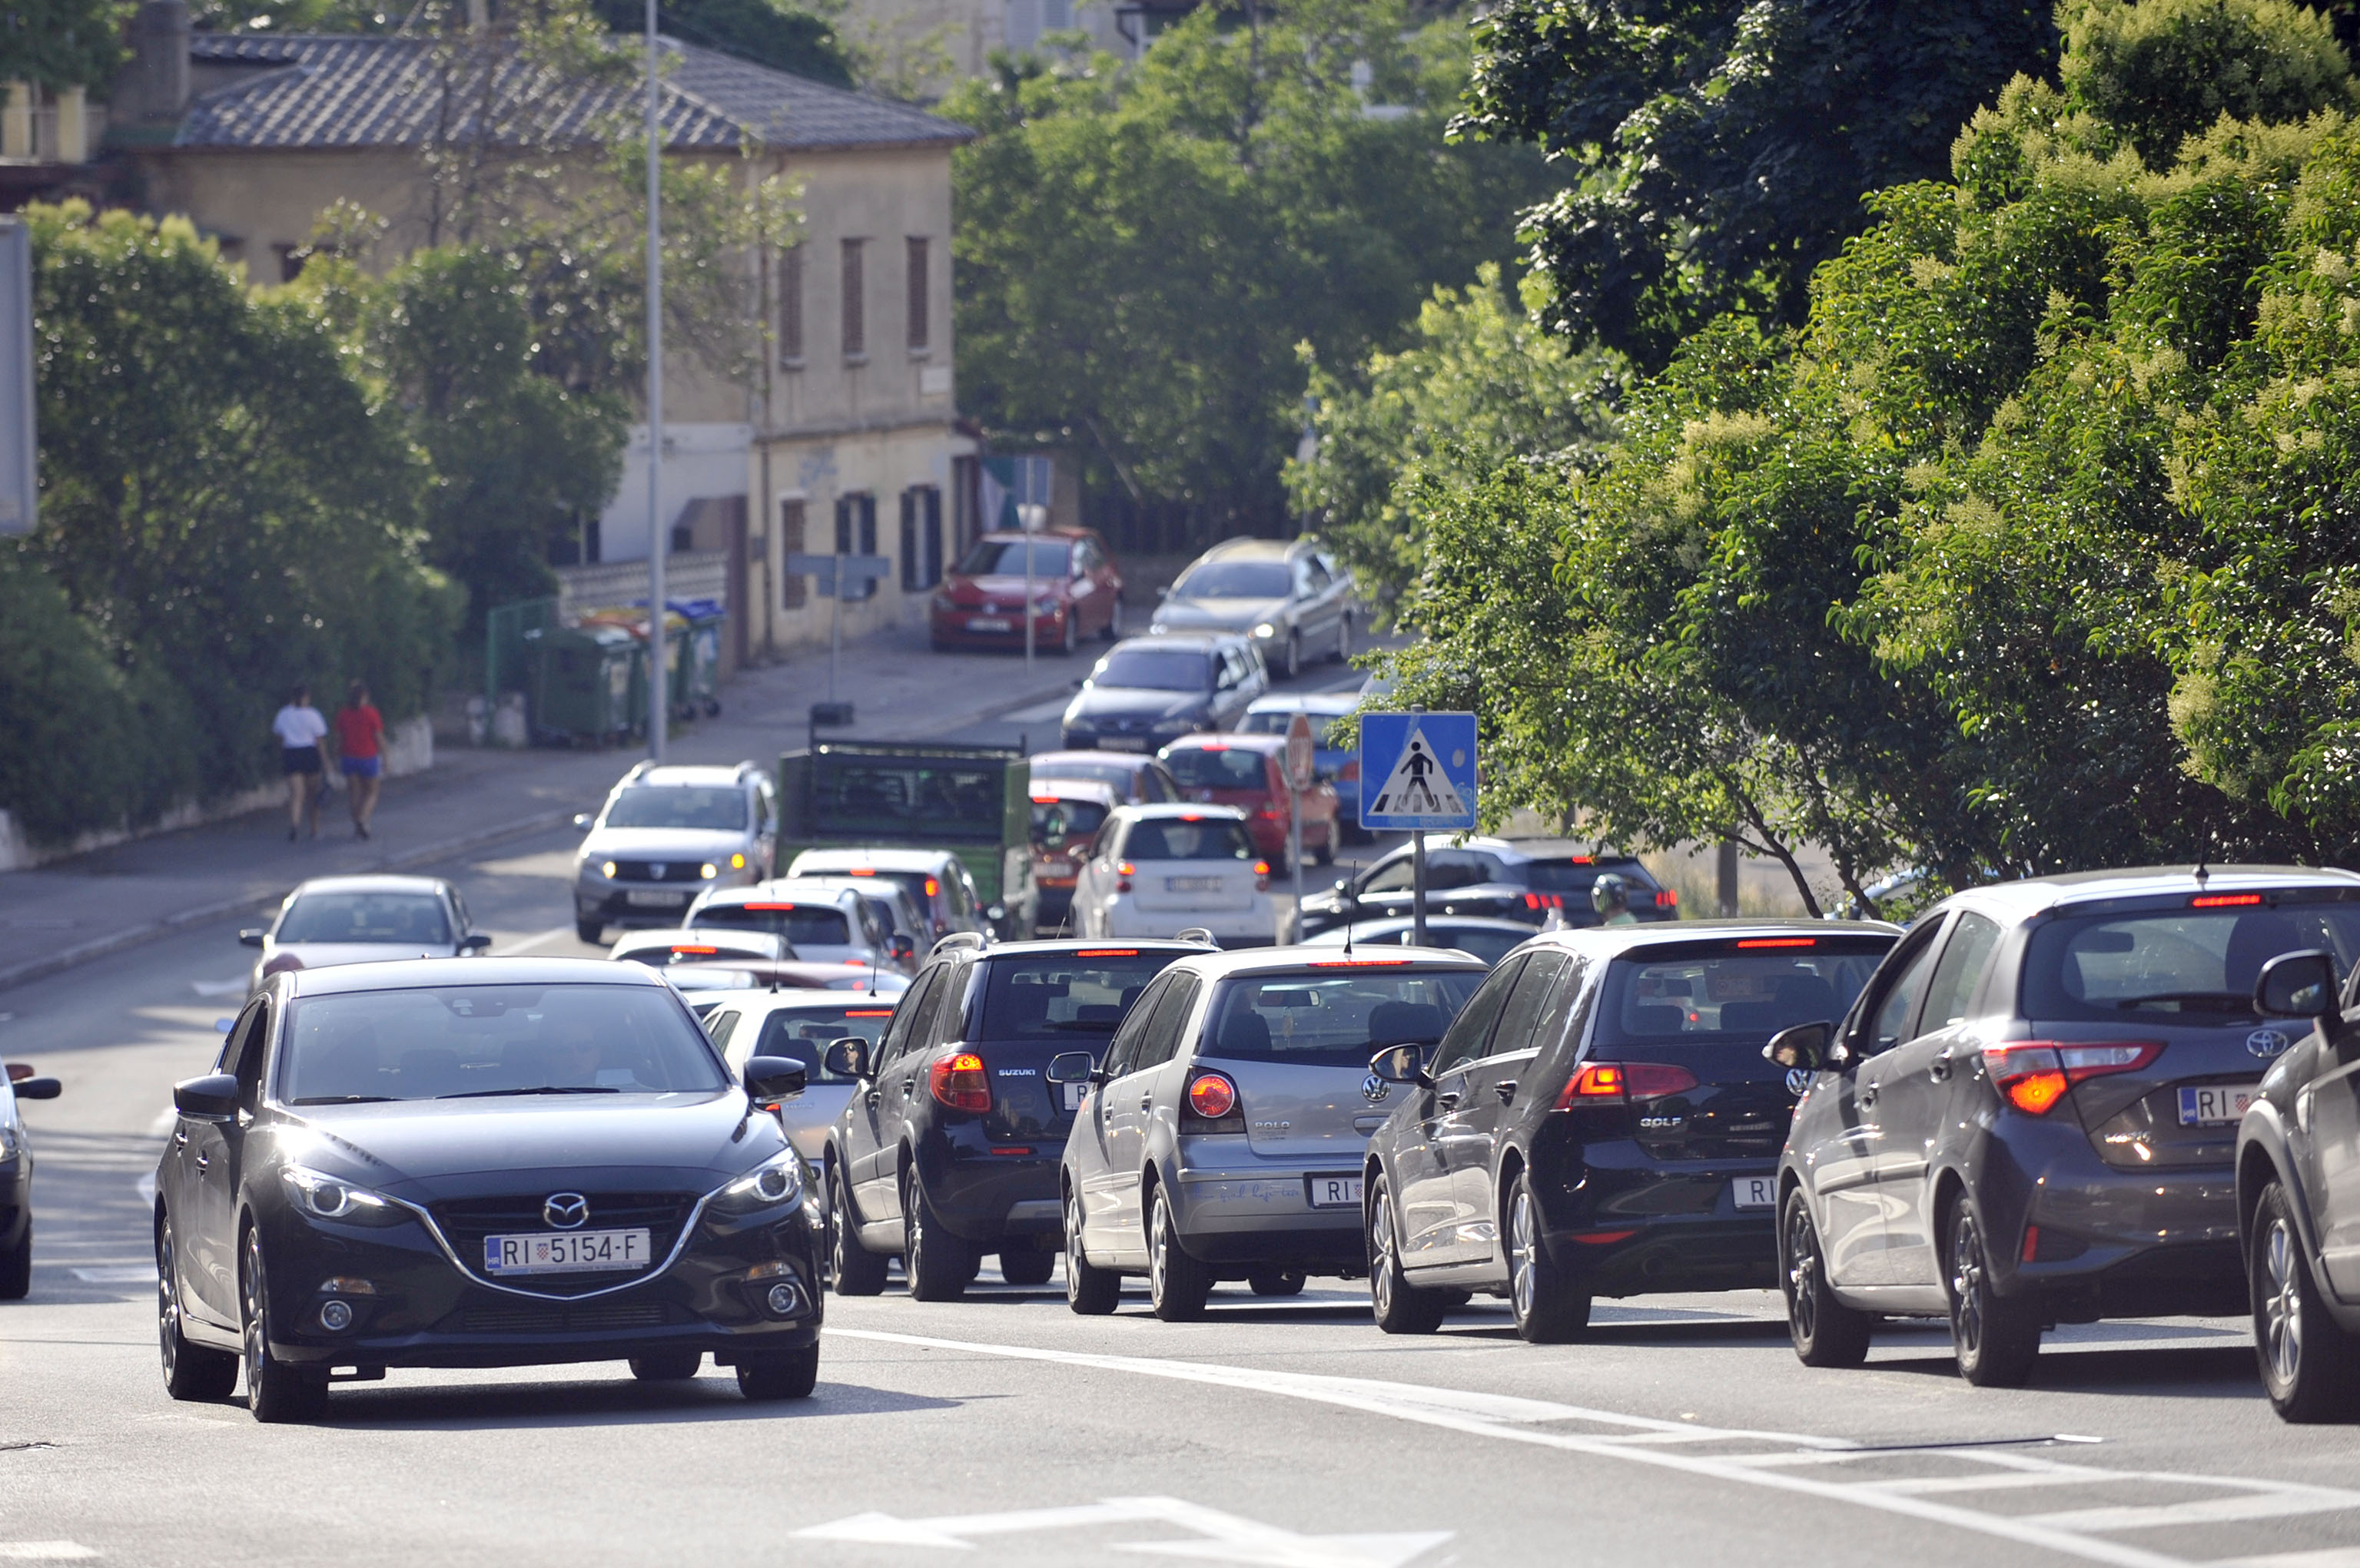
(360, 734)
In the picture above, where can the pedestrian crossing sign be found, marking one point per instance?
(1417, 771)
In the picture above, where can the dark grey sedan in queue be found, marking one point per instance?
(2030, 1115)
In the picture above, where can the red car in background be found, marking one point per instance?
(1066, 815)
(1076, 592)
(1248, 772)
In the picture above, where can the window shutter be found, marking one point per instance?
(920, 335)
(791, 306)
(793, 589)
(856, 316)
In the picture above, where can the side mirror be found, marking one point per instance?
(2296, 985)
(252, 936)
(475, 942)
(1073, 1067)
(39, 1088)
(847, 1058)
(19, 1070)
(775, 1077)
(903, 945)
(582, 820)
(211, 1098)
(1804, 1046)
(1399, 1064)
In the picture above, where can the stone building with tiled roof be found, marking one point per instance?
(846, 437)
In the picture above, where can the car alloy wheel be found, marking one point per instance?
(1398, 1306)
(938, 1263)
(191, 1371)
(1176, 1283)
(1068, 637)
(1826, 1333)
(1113, 632)
(1294, 655)
(1996, 1339)
(1090, 1291)
(858, 1271)
(1344, 639)
(275, 1391)
(1549, 1309)
(2310, 1367)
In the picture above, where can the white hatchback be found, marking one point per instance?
(1155, 871)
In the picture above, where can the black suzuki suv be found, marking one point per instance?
(948, 1147)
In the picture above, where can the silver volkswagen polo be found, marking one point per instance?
(1223, 1134)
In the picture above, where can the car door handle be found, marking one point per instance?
(910, 1084)
(204, 1159)
(180, 1138)
(1506, 1091)
(873, 1098)
(1448, 1099)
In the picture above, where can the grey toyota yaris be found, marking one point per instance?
(2030, 1115)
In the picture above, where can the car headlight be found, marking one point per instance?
(736, 863)
(607, 871)
(778, 1180)
(327, 1197)
(1265, 631)
(708, 871)
(1046, 603)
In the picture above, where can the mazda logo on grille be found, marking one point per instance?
(565, 1211)
(2267, 1043)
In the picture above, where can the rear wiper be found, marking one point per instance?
(345, 1100)
(544, 1089)
(2211, 1001)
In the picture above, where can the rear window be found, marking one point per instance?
(1217, 767)
(1333, 1016)
(815, 925)
(1733, 991)
(365, 917)
(1489, 945)
(1081, 818)
(2160, 962)
(1154, 669)
(1573, 875)
(801, 1034)
(1065, 995)
(1181, 838)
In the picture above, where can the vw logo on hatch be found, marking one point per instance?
(565, 1211)
(1798, 1081)
(2267, 1043)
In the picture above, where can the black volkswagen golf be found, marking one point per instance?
(504, 1163)
(1598, 1121)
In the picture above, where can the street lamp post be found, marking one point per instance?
(659, 693)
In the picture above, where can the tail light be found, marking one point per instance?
(1607, 1081)
(1545, 900)
(932, 888)
(1262, 875)
(1211, 1106)
(1667, 899)
(960, 1083)
(1124, 871)
(2034, 1075)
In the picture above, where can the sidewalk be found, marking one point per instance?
(78, 910)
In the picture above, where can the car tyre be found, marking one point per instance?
(1549, 1309)
(17, 1267)
(1826, 1333)
(191, 1371)
(1027, 1264)
(591, 932)
(939, 1264)
(1293, 656)
(1344, 639)
(1113, 632)
(1090, 1291)
(780, 1375)
(1996, 1338)
(1070, 636)
(1399, 1306)
(1275, 1281)
(275, 1391)
(1176, 1283)
(858, 1271)
(2310, 1367)
(667, 1366)
(1327, 855)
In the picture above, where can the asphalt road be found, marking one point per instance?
(1004, 1428)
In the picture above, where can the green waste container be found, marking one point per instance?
(581, 680)
(675, 669)
(700, 693)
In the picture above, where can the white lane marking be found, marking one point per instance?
(1473, 1414)
(2253, 1499)
(2325, 1557)
(1229, 1539)
(529, 943)
(1053, 709)
(143, 1275)
(164, 1122)
(230, 987)
(146, 1188)
(45, 1550)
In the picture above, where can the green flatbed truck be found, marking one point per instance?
(972, 800)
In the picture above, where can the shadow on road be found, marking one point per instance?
(2224, 1372)
(623, 1401)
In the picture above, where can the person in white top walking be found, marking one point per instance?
(304, 757)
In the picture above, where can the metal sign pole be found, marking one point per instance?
(659, 688)
(1024, 516)
(1417, 887)
(1294, 852)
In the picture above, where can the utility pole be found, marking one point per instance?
(659, 687)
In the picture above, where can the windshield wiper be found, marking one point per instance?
(2209, 1001)
(345, 1100)
(544, 1089)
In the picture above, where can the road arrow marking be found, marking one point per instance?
(1229, 1539)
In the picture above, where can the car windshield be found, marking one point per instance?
(1485, 944)
(1217, 767)
(1236, 580)
(803, 925)
(1061, 995)
(1005, 558)
(1188, 838)
(1155, 669)
(1334, 1016)
(407, 917)
(1733, 992)
(1274, 722)
(678, 806)
(802, 1032)
(2156, 963)
(897, 799)
(1074, 818)
(490, 1041)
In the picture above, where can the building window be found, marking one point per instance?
(790, 307)
(856, 304)
(791, 543)
(919, 339)
(855, 534)
(291, 258)
(921, 537)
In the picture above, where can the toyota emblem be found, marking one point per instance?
(565, 1211)
(2267, 1043)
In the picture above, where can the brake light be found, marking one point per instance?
(1107, 953)
(1545, 900)
(1124, 871)
(868, 1012)
(1583, 859)
(1212, 1096)
(1626, 1080)
(1668, 899)
(932, 886)
(2223, 901)
(960, 1083)
(704, 948)
(1780, 942)
(1212, 747)
(771, 907)
(1044, 800)
(865, 871)
(2034, 1074)
(1262, 875)
(1356, 963)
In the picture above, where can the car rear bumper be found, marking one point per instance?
(1629, 1224)
(986, 1198)
(1229, 1206)
(953, 630)
(2101, 1242)
(1256, 923)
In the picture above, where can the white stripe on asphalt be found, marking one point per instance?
(45, 1550)
(1512, 1420)
(529, 943)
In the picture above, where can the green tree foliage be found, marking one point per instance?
(2161, 71)
(1715, 151)
(1478, 383)
(62, 43)
(1141, 247)
(775, 33)
(221, 508)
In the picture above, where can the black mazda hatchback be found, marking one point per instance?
(509, 1162)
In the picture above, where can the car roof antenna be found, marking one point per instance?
(2203, 854)
(1351, 907)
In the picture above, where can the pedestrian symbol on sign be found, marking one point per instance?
(1417, 786)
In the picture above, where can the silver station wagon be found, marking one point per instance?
(1222, 1135)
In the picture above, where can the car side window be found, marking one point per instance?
(1161, 785)
(1536, 988)
(1394, 878)
(1161, 1040)
(235, 1043)
(914, 1001)
(718, 1026)
(250, 1053)
(948, 1021)
(1452, 869)
(1966, 957)
(1471, 1029)
(1317, 572)
(1124, 1046)
(1894, 1011)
